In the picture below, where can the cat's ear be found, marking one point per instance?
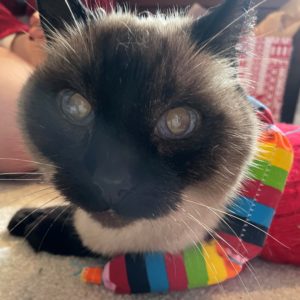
(220, 30)
(56, 14)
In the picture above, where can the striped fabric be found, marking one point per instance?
(240, 238)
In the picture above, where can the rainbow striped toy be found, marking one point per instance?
(249, 218)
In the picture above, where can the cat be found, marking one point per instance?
(142, 125)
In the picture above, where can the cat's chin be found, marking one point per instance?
(110, 219)
(171, 233)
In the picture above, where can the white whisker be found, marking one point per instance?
(251, 9)
(39, 222)
(240, 219)
(50, 226)
(21, 173)
(35, 210)
(28, 161)
(20, 179)
(34, 198)
(211, 232)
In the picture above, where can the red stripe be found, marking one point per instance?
(176, 272)
(263, 194)
(118, 275)
(248, 251)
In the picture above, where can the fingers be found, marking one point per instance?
(35, 31)
(35, 20)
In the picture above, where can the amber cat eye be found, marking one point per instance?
(177, 123)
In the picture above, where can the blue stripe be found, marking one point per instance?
(257, 104)
(261, 214)
(157, 274)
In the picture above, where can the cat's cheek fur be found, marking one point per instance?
(176, 231)
(197, 215)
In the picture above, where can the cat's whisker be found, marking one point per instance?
(31, 200)
(78, 26)
(249, 10)
(292, 132)
(230, 228)
(35, 210)
(54, 36)
(51, 225)
(41, 15)
(39, 221)
(21, 173)
(211, 232)
(196, 242)
(209, 263)
(27, 161)
(237, 206)
(73, 17)
(240, 219)
(20, 179)
(248, 264)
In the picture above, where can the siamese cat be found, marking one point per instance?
(143, 125)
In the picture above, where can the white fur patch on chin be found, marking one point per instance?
(172, 233)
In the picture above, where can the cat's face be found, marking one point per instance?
(144, 127)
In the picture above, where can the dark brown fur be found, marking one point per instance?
(132, 70)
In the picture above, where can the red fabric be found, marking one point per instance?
(8, 23)
(9, 9)
(286, 224)
(268, 196)
(118, 274)
(176, 272)
(106, 4)
(243, 251)
(267, 70)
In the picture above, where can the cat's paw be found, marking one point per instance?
(49, 229)
(18, 225)
(33, 225)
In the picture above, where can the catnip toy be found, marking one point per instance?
(286, 223)
(239, 240)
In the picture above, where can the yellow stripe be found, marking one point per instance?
(277, 157)
(215, 265)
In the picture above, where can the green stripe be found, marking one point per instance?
(195, 267)
(274, 177)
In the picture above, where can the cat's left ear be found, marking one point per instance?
(220, 30)
(56, 14)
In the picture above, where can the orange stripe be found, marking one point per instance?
(92, 275)
(232, 269)
(276, 138)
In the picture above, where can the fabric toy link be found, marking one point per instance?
(248, 220)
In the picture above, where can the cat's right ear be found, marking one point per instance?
(220, 30)
(56, 14)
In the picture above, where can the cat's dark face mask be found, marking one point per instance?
(140, 116)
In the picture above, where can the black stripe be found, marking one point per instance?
(137, 274)
(252, 235)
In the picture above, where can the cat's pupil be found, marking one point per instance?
(178, 123)
(78, 106)
(75, 106)
(178, 120)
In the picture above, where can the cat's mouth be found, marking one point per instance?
(111, 219)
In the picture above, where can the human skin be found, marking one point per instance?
(17, 64)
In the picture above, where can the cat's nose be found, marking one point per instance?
(114, 189)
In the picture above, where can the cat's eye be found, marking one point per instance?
(76, 108)
(177, 123)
